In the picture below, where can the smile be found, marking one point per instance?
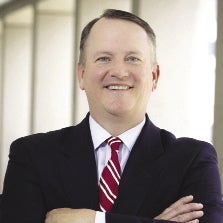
(118, 87)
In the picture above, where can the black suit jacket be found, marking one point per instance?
(58, 169)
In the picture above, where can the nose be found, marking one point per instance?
(119, 70)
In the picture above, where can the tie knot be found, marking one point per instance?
(114, 142)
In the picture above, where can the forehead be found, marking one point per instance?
(112, 32)
(110, 22)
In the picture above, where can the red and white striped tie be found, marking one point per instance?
(109, 182)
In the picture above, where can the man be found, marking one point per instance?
(76, 175)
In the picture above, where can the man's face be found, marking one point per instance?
(117, 75)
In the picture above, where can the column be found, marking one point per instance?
(54, 65)
(218, 115)
(1, 96)
(17, 79)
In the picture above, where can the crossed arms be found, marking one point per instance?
(183, 210)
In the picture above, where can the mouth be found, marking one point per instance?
(118, 87)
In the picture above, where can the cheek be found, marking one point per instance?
(142, 76)
(96, 69)
(146, 81)
(100, 69)
(93, 77)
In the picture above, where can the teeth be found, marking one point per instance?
(116, 87)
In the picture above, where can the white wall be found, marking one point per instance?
(184, 100)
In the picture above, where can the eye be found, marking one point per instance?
(132, 59)
(103, 59)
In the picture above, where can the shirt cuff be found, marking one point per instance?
(100, 217)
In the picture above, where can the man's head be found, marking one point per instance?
(117, 68)
(123, 15)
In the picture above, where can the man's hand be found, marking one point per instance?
(68, 215)
(182, 211)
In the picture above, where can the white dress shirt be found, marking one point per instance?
(103, 151)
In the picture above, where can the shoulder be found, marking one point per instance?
(182, 147)
(40, 138)
(186, 146)
(49, 140)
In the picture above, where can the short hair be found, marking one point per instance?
(117, 14)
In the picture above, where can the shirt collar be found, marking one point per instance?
(99, 134)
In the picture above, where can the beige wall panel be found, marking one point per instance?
(21, 16)
(1, 86)
(57, 5)
(218, 122)
(54, 71)
(16, 89)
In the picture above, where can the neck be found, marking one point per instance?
(116, 125)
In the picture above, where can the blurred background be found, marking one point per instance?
(39, 43)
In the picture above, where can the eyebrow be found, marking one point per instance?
(109, 53)
(103, 52)
(134, 52)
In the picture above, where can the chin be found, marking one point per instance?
(119, 107)
(119, 112)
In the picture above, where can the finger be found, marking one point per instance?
(52, 214)
(54, 211)
(183, 200)
(183, 209)
(194, 221)
(179, 203)
(192, 216)
(187, 208)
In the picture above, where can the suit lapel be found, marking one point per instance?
(139, 171)
(78, 169)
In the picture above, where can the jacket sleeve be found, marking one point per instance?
(201, 179)
(118, 218)
(22, 200)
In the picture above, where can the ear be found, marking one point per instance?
(80, 74)
(156, 74)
